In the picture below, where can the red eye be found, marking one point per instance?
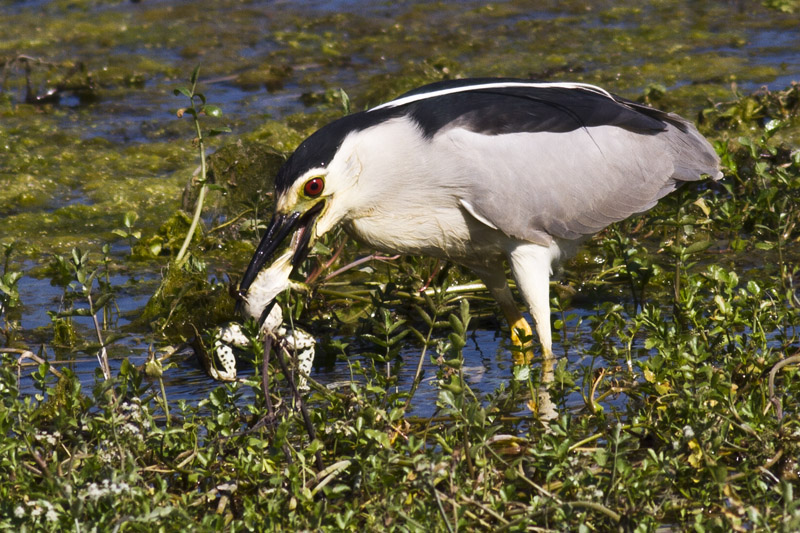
(313, 187)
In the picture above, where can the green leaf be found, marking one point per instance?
(315, 446)
(457, 341)
(522, 372)
(456, 362)
(130, 218)
(397, 338)
(418, 334)
(378, 436)
(446, 397)
(698, 246)
(218, 131)
(723, 306)
(374, 339)
(211, 110)
(74, 312)
(773, 125)
(425, 316)
(753, 288)
(184, 91)
(102, 301)
(195, 74)
(345, 101)
(456, 324)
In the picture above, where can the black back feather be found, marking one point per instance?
(491, 111)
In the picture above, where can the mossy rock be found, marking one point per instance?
(186, 302)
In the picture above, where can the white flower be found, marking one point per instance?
(19, 511)
(94, 492)
(49, 438)
(118, 488)
(688, 432)
(133, 409)
(130, 429)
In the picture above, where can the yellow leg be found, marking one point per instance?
(521, 335)
(521, 332)
(530, 264)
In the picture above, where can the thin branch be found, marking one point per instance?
(27, 354)
(775, 369)
(357, 262)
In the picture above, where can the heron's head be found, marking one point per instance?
(315, 190)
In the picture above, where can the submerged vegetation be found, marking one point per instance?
(678, 331)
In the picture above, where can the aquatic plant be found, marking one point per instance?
(676, 392)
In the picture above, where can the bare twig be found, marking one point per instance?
(232, 220)
(27, 354)
(775, 369)
(357, 262)
(329, 474)
(594, 506)
(321, 268)
(435, 271)
(441, 509)
(593, 391)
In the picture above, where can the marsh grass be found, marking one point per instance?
(687, 419)
(681, 411)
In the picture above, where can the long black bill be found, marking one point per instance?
(280, 226)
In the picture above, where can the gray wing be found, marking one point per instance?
(539, 185)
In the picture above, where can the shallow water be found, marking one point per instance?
(88, 157)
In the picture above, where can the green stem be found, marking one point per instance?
(102, 355)
(180, 259)
(166, 403)
(418, 373)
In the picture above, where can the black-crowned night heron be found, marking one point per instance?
(480, 172)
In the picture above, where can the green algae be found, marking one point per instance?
(167, 239)
(70, 170)
(59, 184)
(185, 305)
(246, 170)
(127, 47)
